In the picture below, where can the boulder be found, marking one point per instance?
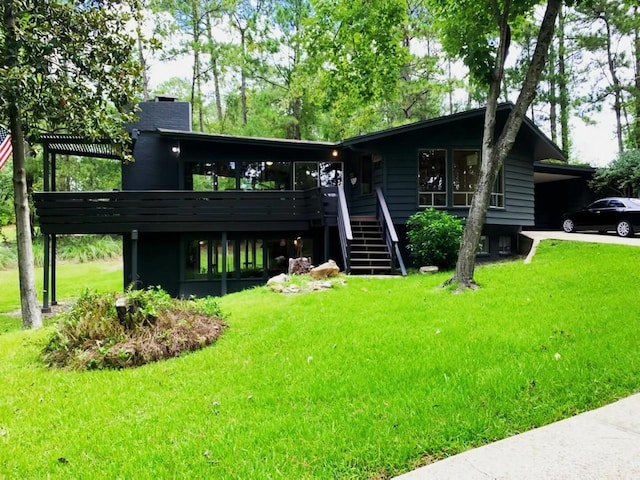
(325, 270)
(278, 279)
(428, 270)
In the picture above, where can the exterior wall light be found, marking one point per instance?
(352, 178)
(175, 150)
(334, 153)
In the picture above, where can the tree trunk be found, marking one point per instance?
(31, 316)
(617, 89)
(635, 134)
(214, 67)
(494, 153)
(563, 87)
(143, 62)
(553, 94)
(243, 76)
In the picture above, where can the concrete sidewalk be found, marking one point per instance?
(600, 444)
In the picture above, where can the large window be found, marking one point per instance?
(265, 176)
(211, 176)
(205, 258)
(432, 177)
(317, 174)
(466, 170)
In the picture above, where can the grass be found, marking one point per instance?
(102, 276)
(366, 380)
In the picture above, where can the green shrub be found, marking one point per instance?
(151, 326)
(434, 237)
(70, 248)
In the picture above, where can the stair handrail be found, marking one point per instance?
(389, 231)
(344, 229)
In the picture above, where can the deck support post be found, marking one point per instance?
(46, 308)
(134, 258)
(326, 244)
(223, 283)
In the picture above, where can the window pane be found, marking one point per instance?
(265, 176)
(197, 260)
(466, 169)
(251, 263)
(330, 174)
(432, 179)
(278, 251)
(206, 177)
(225, 176)
(306, 175)
(505, 244)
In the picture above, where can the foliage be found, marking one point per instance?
(7, 213)
(368, 380)
(622, 175)
(82, 79)
(358, 55)
(434, 237)
(149, 326)
(70, 248)
(64, 66)
(79, 174)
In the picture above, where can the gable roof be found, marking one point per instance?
(544, 148)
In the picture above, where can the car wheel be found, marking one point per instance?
(568, 226)
(624, 228)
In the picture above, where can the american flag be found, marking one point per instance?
(5, 146)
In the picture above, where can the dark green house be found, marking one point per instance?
(207, 214)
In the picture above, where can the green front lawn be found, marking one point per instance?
(366, 380)
(72, 279)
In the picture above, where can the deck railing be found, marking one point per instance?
(344, 229)
(123, 211)
(389, 232)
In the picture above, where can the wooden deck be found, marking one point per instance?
(183, 211)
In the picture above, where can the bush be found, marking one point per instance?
(94, 335)
(434, 237)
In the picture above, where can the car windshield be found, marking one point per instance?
(635, 202)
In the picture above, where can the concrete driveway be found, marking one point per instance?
(537, 235)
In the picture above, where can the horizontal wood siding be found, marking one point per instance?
(519, 194)
(178, 211)
(400, 165)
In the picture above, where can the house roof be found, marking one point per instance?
(256, 141)
(552, 172)
(65, 144)
(544, 147)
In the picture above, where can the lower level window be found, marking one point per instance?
(504, 243)
(483, 246)
(206, 257)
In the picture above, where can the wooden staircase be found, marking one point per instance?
(369, 252)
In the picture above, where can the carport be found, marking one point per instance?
(560, 188)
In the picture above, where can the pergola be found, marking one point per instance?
(55, 145)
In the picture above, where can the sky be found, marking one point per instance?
(595, 144)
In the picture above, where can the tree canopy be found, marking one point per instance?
(65, 66)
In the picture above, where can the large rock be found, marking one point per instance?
(278, 279)
(325, 270)
(430, 269)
